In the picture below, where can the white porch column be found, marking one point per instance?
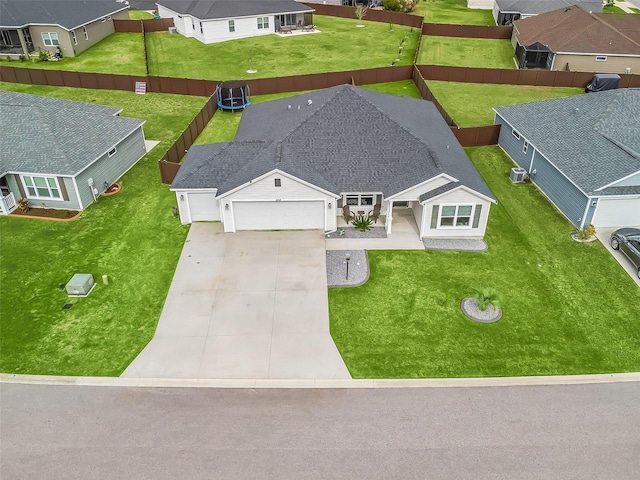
(389, 219)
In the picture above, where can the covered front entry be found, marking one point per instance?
(279, 215)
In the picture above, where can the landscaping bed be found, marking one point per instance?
(50, 213)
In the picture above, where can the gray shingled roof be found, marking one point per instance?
(57, 137)
(592, 138)
(68, 14)
(536, 7)
(211, 9)
(347, 139)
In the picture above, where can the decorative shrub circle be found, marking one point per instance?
(470, 308)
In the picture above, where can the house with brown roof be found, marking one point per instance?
(575, 40)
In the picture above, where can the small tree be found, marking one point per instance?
(360, 12)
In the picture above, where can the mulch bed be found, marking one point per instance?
(49, 213)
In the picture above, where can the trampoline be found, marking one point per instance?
(233, 95)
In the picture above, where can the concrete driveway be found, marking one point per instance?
(245, 305)
(603, 235)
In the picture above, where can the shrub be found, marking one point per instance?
(585, 233)
(23, 205)
(43, 56)
(362, 222)
(22, 58)
(404, 6)
(486, 297)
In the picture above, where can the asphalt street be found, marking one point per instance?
(535, 432)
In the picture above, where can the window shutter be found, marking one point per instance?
(63, 189)
(434, 216)
(476, 216)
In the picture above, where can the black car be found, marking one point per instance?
(627, 240)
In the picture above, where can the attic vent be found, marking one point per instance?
(278, 153)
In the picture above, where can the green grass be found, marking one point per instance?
(470, 104)
(223, 125)
(452, 11)
(121, 53)
(339, 46)
(569, 308)
(612, 9)
(139, 15)
(466, 52)
(132, 237)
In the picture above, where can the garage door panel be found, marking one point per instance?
(203, 207)
(617, 213)
(295, 215)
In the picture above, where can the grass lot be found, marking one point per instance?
(612, 9)
(121, 53)
(452, 11)
(569, 308)
(139, 15)
(466, 52)
(470, 104)
(339, 46)
(223, 125)
(132, 237)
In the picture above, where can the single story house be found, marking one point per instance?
(63, 154)
(583, 152)
(45, 25)
(573, 39)
(296, 162)
(212, 21)
(505, 12)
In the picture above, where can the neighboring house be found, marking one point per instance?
(60, 153)
(572, 39)
(44, 25)
(297, 161)
(583, 152)
(212, 21)
(505, 12)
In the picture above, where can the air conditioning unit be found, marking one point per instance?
(173, 30)
(518, 175)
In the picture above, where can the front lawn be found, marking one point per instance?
(340, 46)
(121, 53)
(466, 52)
(452, 11)
(470, 104)
(569, 308)
(132, 237)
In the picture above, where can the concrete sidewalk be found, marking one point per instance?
(245, 305)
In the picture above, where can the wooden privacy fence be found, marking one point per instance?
(372, 15)
(170, 162)
(468, 31)
(541, 78)
(149, 25)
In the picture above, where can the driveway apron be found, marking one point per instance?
(245, 305)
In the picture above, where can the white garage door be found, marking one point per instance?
(278, 215)
(617, 213)
(203, 207)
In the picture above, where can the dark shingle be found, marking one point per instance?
(68, 14)
(592, 138)
(340, 139)
(212, 9)
(51, 136)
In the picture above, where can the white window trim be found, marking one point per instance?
(263, 23)
(455, 217)
(37, 197)
(232, 26)
(86, 33)
(515, 133)
(525, 146)
(50, 39)
(360, 195)
(73, 36)
(112, 152)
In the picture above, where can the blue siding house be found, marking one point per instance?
(62, 154)
(583, 152)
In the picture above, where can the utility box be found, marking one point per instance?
(80, 285)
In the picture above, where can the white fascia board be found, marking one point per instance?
(632, 55)
(460, 187)
(617, 181)
(193, 190)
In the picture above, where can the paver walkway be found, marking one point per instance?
(245, 305)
